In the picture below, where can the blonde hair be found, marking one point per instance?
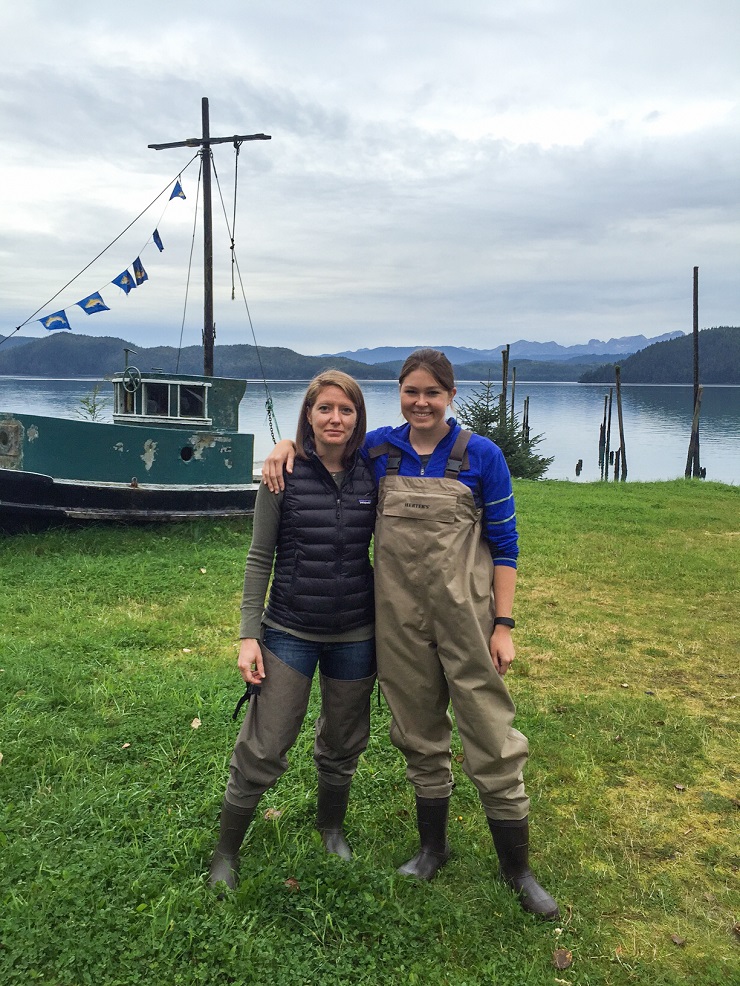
(332, 378)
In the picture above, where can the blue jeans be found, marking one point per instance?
(347, 661)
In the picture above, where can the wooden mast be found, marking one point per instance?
(205, 141)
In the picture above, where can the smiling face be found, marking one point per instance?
(333, 418)
(424, 403)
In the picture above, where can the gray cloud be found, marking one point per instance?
(437, 173)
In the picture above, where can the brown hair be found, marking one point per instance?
(332, 378)
(435, 362)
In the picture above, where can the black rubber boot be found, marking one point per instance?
(431, 821)
(330, 811)
(225, 863)
(511, 840)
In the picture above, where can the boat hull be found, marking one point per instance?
(58, 470)
(33, 499)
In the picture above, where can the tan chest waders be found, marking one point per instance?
(433, 622)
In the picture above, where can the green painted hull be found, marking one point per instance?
(169, 463)
(118, 453)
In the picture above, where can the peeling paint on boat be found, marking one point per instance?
(150, 450)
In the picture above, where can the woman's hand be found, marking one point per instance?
(250, 663)
(502, 649)
(272, 469)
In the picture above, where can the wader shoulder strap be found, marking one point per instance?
(394, 456)
(458, 457)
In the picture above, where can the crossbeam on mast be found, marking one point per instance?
(204, 142)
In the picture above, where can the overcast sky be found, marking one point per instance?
(440, 171)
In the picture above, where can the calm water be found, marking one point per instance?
(657, 420)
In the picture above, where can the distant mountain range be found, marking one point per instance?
(666, 359)
(550, 351)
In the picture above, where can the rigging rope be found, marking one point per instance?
(237, 148)
(190, 267)
(269, 406)
(104, 250)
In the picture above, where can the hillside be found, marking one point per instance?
(672, 361)
(10, 342)
(90, 356)
(64, 355)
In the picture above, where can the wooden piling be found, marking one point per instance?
(504, 385)
(693, 466)
(607, 447)
(602, 440)
(513, 391)
(692, 459)
(622, 450)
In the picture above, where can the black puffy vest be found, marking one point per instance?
(323, 579)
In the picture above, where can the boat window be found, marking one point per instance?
(192, 402)
(124, 401)
(156, 399)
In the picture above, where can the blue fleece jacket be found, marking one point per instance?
(488, 477)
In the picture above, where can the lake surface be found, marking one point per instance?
(657, 420)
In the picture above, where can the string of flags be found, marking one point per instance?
(126, 281)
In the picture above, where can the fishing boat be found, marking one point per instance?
(173, 450)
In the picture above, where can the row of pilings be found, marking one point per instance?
(617, 458)
(612, 458)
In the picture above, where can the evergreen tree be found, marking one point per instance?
(485, 413)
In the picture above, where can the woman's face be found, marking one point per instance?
(333, 418)
(424, 403)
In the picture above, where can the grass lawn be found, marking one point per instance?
(118, 657)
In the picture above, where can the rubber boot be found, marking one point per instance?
(511, 840)
(225, 863)
(331, 809)
(431, 821)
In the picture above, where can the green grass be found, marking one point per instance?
(112, 641)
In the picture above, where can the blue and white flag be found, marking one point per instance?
(139, 273)
(125, 282)
(157, 240)
(93, 303)
(57, 320)
(177, 192)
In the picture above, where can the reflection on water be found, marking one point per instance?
(657, 420)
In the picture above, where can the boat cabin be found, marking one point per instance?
(159, 398)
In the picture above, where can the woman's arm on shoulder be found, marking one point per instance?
(282, 456)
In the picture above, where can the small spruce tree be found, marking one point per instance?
(93, 405)
(485, 413)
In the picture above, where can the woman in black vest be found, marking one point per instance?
(320, 612)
